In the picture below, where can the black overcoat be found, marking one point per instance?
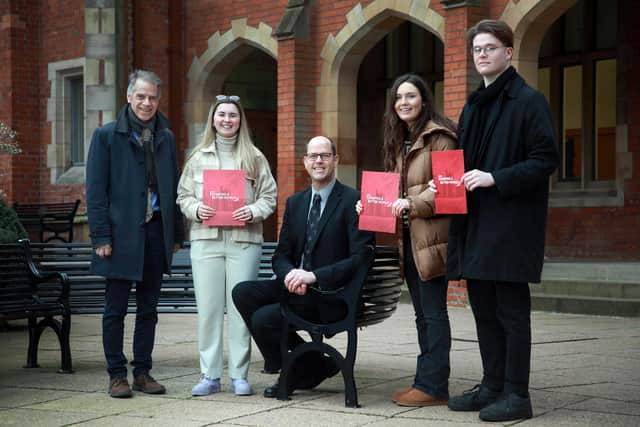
(117, 196)
(502, 236)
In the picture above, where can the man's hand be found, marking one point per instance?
(176, 247)
(358, 207)
(103, 251)
(297, 281)
(476, 179)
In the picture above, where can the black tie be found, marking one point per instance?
(312, 229)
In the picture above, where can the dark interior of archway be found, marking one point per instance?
(254, 81)
(408, 48)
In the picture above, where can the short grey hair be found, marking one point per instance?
(147, 76)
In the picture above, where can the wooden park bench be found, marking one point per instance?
(26, 293)
(48, 219)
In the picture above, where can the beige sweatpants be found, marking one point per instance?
(218, 265)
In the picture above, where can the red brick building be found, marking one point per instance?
(324, 67)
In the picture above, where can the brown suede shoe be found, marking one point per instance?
(119, 387)
(146, 384)
(414, 397)
(396, 394)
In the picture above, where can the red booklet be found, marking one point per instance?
(447, 168)
(223, 190)
(379, 191)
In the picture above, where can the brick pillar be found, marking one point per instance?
(19, 99)
(296, 99)
(460, 79)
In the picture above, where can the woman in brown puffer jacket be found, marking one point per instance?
(412, 130)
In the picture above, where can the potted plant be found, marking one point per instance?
(10, 227)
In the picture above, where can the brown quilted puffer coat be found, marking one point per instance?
(428, 231)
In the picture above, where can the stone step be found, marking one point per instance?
(588, 288)
(624, 307)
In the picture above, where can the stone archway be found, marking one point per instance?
(208, 72)
(341, 57)
(530, 20)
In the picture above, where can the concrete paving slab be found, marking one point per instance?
(210, 410)
(570, 418)
(37, 418)
(13, 397)
(584, 369)
(607, 406)
(125, 420)
(297, 416)
(100, 404)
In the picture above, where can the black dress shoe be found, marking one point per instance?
(509, 408)
(272, 390)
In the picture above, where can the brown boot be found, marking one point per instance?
(146, 384)
(119, 387)
(414, 397)
(396, 394)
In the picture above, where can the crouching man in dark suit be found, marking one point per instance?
(319, 246)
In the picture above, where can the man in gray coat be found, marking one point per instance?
(132, 178)
(506, 133)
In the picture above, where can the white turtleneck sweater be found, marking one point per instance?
(226, 148)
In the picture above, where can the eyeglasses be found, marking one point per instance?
(487, 50)
(226, 98)
(323, 156)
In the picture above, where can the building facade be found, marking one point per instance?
(306, 67)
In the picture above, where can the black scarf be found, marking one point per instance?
(480, 103)
(145, 130)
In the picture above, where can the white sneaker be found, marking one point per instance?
(241, 387)
(206, 386)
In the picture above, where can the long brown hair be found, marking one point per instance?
(396, 130)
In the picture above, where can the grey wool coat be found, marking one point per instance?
(117, 196)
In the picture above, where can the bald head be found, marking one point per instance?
(321, 161)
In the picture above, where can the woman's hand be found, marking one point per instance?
(205, 212)
(432, 186)
(399, 206)
(358, 207)
(242, 214)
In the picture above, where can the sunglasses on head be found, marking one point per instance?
(226, 98)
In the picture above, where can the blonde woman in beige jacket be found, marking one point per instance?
(221, 257)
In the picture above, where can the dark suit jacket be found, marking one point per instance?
(339, 245)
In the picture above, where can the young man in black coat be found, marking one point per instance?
(510, 151)
(324, 255)
(132, 179)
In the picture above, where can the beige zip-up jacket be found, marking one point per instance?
(261, 196)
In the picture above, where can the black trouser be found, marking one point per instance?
(502, 312)
(258, 302)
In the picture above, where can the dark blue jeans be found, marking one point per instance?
(429, 300)
(147, 294)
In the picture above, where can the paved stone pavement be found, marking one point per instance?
(585, 372)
